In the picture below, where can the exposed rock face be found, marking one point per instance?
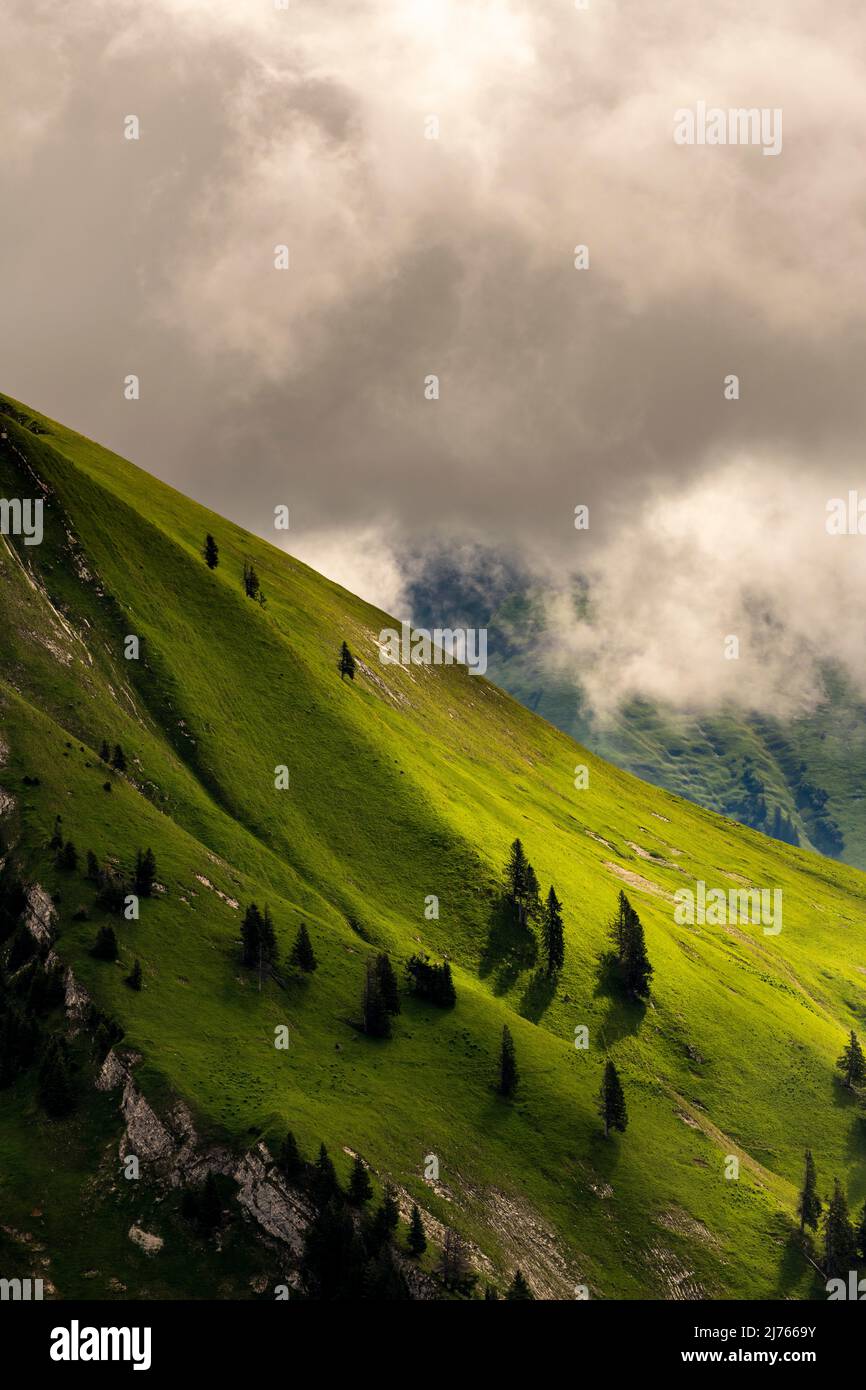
(150, 1244)
(77, 999)
(280, 1210)
(171, 1146)
(39, 915)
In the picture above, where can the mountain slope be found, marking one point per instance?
(800, 781)
(406, 783)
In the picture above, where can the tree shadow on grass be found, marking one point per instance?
(623, 1015)
(510, 947)
(794, 1267)
(539, 991)
(604, 1154)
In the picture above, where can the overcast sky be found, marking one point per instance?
(454, 256)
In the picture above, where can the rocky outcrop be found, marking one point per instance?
(145, 1240)
(39, 915)
(171, 1149)
(280, 1210)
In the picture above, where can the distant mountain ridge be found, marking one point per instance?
(800, 782)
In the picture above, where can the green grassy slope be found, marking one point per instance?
(403, 784)
(703, 756)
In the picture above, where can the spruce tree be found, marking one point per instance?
(619, 925)
(118, 759)
(267, 944)
(852, 1063)
(105, 751)
(252, 587)
(377, 1021)
(386, 1219)
(211, 552)
(302, 954)
(416, 1241)
(383, 1278)
(636, 969)
(388, 984)
(325, 1185)
(809, 1205)
(290, 1163)
(346, 664)
(133, 979)
(552, 934)
(258, 941)
(360, 1187)
(67, 859)
(92, 867)
(508, 1073)
(519, 1289)
(56, 841)
(105, 945)
(145, 872)
(532, 904)
(840, 1242)
(453, 1267)
(517, 879)
(251, 929)
(611, 1101)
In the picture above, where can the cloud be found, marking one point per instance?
(454, 257)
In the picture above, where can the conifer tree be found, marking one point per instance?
(508, 1073)
(56, 841)
(360, 1187)
(252, 586)
(611, 1101)
(519, 1289)
(521, 884)
(453, 1267)
(105, 946)
(133, 979)
(809, 1205)
(290, 1163)
(416, 1241)
(303, 955)
(852, 1063)
(118, 760)
(145, 872)
(636, 969)
(105, 751)
(325, 1184)
(553, 936)
(211, 552)
(388, 983)
(251, 930)
(267, 944)
(840, 1242)
(346, 665)
(377, 1021)
(627, 934)
(67, 858)
(92, 867)
(383, 1278)
(258, 941)
(386, 1219)
(619, 925)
